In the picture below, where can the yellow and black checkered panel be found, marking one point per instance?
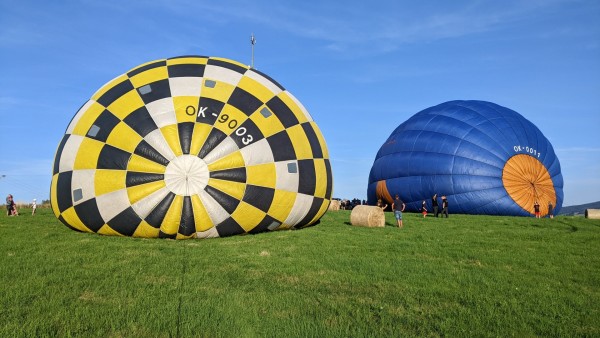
(191, 147)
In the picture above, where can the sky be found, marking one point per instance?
(361, 68)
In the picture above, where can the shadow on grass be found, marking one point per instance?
(387, 224)
(572, 228)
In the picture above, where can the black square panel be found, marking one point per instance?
(229, 227)
(186, 70)
(317, 152)
(141, 121)
(283, 112)
(103, 126)
(208, 110)
(244, 101)
(113, 158)
(259, 197)
(155, 91)
(281, 146)
(126, 222)
(89, 214)
(308, 180)
(115, 92)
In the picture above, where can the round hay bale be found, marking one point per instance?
(367, 216)
(334, 205)
(592, 213)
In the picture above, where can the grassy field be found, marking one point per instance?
(461, 276)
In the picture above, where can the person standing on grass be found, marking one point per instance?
(550, 210)
(536, 209)
(381, 205)
(444, 206)
(398, 207)
(424, 209)
(33, 206)
(9, 205)
(434, 204)
(13, 210)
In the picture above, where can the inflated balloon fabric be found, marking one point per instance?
(191, 147)
(487, 159)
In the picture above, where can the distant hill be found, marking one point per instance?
(579, 209)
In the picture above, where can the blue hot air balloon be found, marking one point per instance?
(485, 158)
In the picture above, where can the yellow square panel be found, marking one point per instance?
(54, 195)
(107, 180)
(88, 153)
(248, 216)
(264, 175)
(283, 202)
(126, 104)
(220, 92)
(233, 160)
(149, 76)
(321, 139)
(230, 119)
(201, 132)
(87, 119)
(180, 236)
(70, 216)
(186, 60)
(186, 108)
(144, 165)
(138, 192)
(321, 178)
(145, 230)
(252, 86)
(109, 86)
(124, 138)
(267, 125)
(171, 135)
(108, 231)
(231, 188)
(170, 224)
(201, 218)
(300, 142)
(293, 106)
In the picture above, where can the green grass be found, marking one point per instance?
(461, 276)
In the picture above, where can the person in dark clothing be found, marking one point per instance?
(444, 206)
(536, 209)
(398, 207)
(434, 204)
(9, 205)
(550, 210)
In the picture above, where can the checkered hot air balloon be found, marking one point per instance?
(189, 147)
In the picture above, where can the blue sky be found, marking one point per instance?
(360, 68)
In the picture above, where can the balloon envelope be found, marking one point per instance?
(191, 147)
(487, 159)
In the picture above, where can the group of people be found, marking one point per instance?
(537, 213)
(398, 207)
(11, 206)
(435, 205)
(350, 204)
